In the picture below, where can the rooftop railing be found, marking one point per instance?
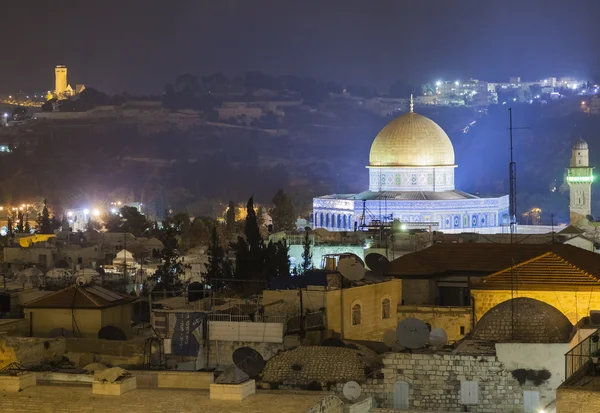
(578, 361)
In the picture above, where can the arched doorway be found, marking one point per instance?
(401, 395)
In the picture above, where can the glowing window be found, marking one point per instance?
(385, 308)
(356, 315)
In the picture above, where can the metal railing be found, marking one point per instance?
(578, 361)
(246, 318)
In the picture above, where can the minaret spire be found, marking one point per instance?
(412, 104)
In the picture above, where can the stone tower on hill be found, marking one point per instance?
(580, 178)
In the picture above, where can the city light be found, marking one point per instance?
(96, 213)
(456, 83)
(69, 213)
(438, 83)
(113, 210)
(580, 179)
(86, 211)
(583, 102)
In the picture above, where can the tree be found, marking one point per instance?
(282, 213)
(250, 253)
(282, 259)
(10, 226)
(230, 219)
(129, 219)
(307, 255)
(168, 274)
(20, 223)
(45, 226)
(27, 227)
(217, 267)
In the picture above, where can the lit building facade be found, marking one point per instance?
(411, 180)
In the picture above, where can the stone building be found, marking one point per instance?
(361, 311)
(489, 372)
(82, 311)
(452, 286)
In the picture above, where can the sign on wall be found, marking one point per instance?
(188, 333)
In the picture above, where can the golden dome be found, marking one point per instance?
(412, 140)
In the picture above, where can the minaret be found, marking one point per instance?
(580, 178)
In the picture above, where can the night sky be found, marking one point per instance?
(139, 45)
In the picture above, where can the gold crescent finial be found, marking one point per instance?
(412, 105)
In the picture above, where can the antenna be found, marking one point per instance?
(352, 390)
(513, 183)
(377, 263)
(389, 338)
(412, 333)
(248, 360)
(438, 337)
(351, 268)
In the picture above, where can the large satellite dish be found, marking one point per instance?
(248, 360)
(389, 338)
(412, 333)
(351, 268)
(352, 390)
(438, 337)
(377, 263)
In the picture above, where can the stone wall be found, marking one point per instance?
(323, 365)
(362, 406)
(15, 327)
(576, 400)
(30, 352)
(221, 352)
(417, 292)
(573, 304)
(115, 348)
(434, 382)
(329, 404)
(451, 319)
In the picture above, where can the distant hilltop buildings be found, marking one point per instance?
(62, 89)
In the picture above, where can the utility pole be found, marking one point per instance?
(301, 313)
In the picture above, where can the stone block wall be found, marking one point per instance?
(575, 400)
(221, 352)
(329, 404)
(30, 352)
(451, 319)
(573, 304)
(109, 347)
(18, 327)
(435, 383)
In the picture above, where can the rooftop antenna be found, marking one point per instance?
(513, 184)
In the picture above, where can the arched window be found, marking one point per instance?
(344, 220)
(327, 221)
(332, 220)
(356, 314)
(321, 221)
(385, 308)
(339, 222)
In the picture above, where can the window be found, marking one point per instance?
(401, 395)
(531, 401)
(385, 308)
(462, 330)
(469, 392)
(356, 314)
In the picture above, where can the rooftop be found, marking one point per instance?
(80, 399)
(404, 196)
(89, 297)
(484, 259)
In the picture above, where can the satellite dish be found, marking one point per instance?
(333, 342)
(389, 338)
(438, 337)
(248, 360)
(352, 390)
(111, 333)
(412, 333)
(351, 268)
(377, 263)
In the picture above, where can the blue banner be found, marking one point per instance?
(188, 333)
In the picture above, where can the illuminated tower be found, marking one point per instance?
(580, 178)
(60, 74)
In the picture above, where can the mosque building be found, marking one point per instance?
(411, 179)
